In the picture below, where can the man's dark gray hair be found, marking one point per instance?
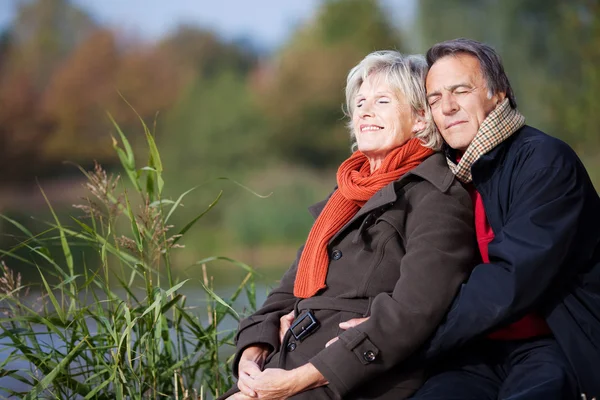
(490, 61)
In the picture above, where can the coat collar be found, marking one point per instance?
(434, 170)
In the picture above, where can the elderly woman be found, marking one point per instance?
(393, 242)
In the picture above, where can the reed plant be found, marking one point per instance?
(118, 326)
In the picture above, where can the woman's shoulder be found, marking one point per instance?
(434, 170)
(434, 182)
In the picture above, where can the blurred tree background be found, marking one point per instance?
(272, 122)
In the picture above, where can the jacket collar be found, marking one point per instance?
(485, 166)
(434, 170)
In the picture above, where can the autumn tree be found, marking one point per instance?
(99, 77)
(42, 34)
(59, 76)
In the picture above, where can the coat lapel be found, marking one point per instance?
(384, 196)
(434, 169)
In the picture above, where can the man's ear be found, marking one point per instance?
(499, 98)
(420, 124)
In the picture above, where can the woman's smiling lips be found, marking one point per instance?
(367, 128)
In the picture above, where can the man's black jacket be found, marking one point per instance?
(545, 257)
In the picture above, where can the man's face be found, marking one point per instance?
(458, 96)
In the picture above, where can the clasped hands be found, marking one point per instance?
(253, 382)
(277, 383)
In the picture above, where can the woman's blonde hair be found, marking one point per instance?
(404, 74)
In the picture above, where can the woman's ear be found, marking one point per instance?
(420, 123)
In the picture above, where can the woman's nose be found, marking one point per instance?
(366, 110)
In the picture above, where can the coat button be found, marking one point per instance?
(369, 356)
(291, 346)
(336, 254)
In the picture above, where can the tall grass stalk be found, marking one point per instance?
(93, 334)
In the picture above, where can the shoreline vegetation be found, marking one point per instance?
(146, 344)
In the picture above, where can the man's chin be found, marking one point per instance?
(459, 145)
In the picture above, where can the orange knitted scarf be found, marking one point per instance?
(356, 185)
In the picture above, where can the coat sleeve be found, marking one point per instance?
(527, 256)
(439, 247)
(262, 327)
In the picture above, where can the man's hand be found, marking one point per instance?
(284, 324)
(351, 323)
(250, 365)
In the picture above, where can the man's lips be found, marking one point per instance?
(450, 125)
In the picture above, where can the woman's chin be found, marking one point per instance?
(369, 148)
(374, 151)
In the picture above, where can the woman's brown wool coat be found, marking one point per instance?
(400, 260)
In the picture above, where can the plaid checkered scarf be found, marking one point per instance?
(496, 128)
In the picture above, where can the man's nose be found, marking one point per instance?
(449, 105)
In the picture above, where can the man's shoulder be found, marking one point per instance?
(534, 149)
(529, 138)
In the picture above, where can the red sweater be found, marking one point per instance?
(532, 324)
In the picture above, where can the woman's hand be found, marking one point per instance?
(239, 396)
(284, 324)
(279, 384)
(251, 364)
(351, 323)
(272, 384)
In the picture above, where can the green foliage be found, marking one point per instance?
(362, 23)
(302, 97)
(205, 54)
(125, 329)
(575, 100)
(550, 51)
(214, 130)
(282, 218)
(220, 127)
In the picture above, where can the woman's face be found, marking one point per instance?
(382, 120)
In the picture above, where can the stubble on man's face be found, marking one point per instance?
(458, 96)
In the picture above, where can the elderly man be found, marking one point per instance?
(528, 319)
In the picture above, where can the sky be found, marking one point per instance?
(266, 23)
